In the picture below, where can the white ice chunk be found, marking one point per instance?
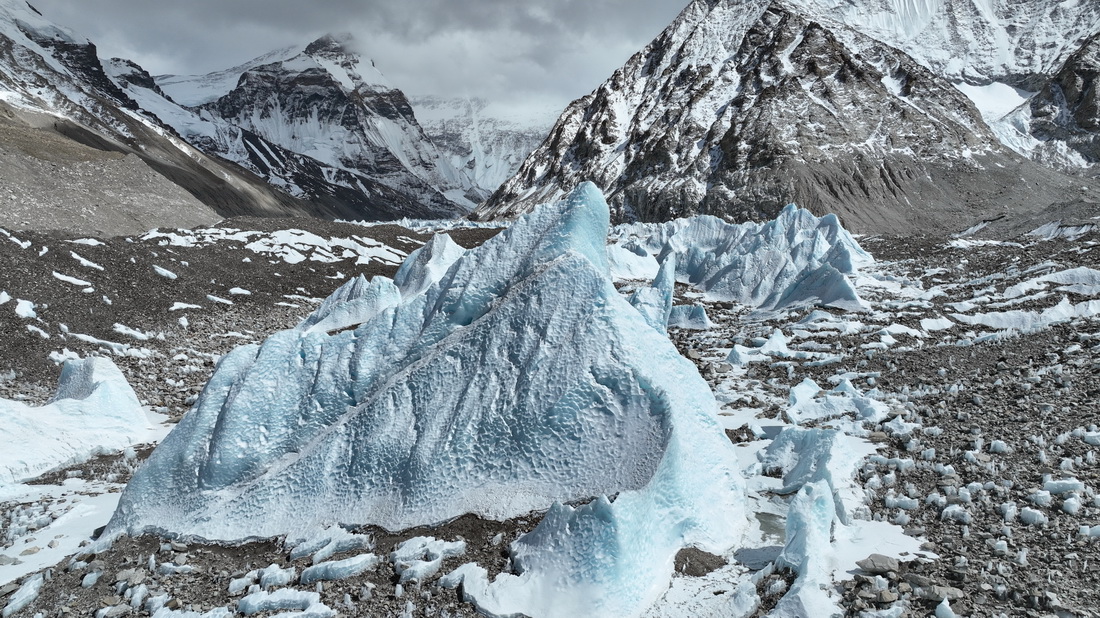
(655, 302)
(419, 558)
(164, 272)
(631, 261)
(24, 596)
(692, 317)
(72, 280)
(283, 598)
(340, 569)
(94, 411)
(25, 309)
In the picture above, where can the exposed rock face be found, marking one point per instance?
(63, 109)
(738, 109)
(1017, 42)
(1067, 109)
(324, 125)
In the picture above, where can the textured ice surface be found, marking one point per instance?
(655, 302)
(427, 265)
(519, 380)
(794, 259)
(284, 598)
(421, 557)
(340, 569)
(94, 411)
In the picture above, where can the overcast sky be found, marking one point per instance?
(505, 50)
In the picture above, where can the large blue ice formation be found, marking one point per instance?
(795, 259)
(504, 379)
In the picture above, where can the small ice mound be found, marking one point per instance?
(796, 259)
(808, 402)
(691, 317)
(94, 411)
(519, 380)
(775, 346)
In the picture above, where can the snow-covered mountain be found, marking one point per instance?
(739, 108)
(319, 122)
(79, 154)
(1060, 124)
(488, 140)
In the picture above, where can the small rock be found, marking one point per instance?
(6, 560)
(178, 546)
(887, 596)
(878, 564)
(939, 593)
(108, 601)
(53, 544)
(7, 589)
(30, 551)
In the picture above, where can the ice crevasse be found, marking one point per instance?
(500, 380)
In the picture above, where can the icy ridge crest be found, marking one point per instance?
(517, 380)
(795, 259)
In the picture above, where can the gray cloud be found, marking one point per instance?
(507, 50)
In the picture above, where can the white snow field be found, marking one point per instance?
(515, 380)
(94, 412)
(795, 259)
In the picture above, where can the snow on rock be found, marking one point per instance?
(291, 246)
(93, 411)
(519, 381)
(795, 259)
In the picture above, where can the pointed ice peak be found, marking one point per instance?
(352, 304)
(427, 265)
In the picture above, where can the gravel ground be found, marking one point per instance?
(997, 421)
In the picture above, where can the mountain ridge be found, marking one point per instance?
(738, 110)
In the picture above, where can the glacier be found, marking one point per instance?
(795, 259)
(497, 381)
(93, 412)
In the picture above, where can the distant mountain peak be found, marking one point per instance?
(332, 43)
